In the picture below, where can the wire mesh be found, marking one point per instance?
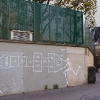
(21, 15)
(48, 23)
(4, 19)
(58, 24)
(88, 38)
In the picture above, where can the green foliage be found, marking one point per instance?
(46, 87)
(55, 86)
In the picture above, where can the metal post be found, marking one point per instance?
(82, 29)
(41, 22)
(75, 28)
(34, 22)
(8, 32)
(63, 25)
(18, 15)
(70, 26)
(56, 24)
(49, 24)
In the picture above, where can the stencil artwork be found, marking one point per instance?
(54, 62)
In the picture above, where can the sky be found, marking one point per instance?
(97, 15)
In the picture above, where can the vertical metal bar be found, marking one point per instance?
(49, 25)
(82, 28)
(89, 36)
(18, 14)
(1, 22)
(25, 28)
(70, 25)
(34, 21)
(8, 35)
(37, 11)
(56, 23)
(75, 28)
(63, 25)
(41, 22)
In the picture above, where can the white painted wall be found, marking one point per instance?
(97, 15)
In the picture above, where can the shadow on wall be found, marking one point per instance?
(95, 32)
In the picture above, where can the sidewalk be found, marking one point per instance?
(85, 92)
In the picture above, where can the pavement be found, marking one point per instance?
(84, 92)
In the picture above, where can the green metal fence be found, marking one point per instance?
(48, 23)
(88, 41)
(4, 19)
(21, 15)
(15, 15)
(58, 24)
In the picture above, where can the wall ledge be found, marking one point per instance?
(45, 43)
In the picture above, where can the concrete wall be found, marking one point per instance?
(89, 61)
(81, 59)
(29, 67)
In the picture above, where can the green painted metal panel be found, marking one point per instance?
(48, 23)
